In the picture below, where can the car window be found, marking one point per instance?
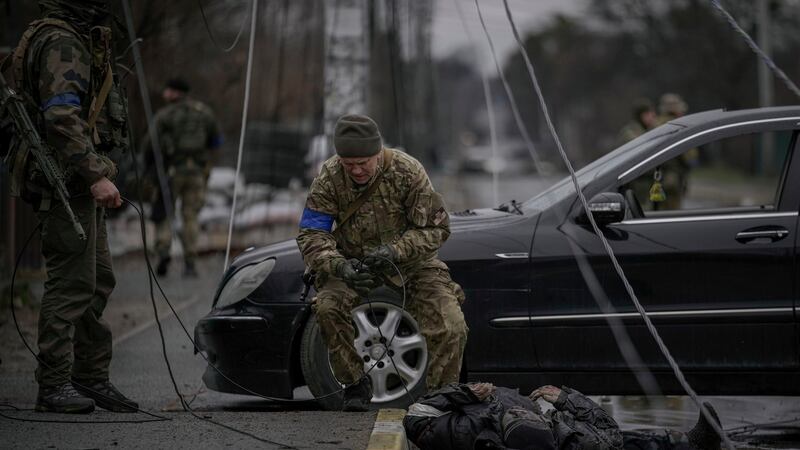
(610, 161)
(734, 174)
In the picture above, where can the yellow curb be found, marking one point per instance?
(388, 432)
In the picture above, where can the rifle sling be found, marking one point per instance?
(387, 160)
(98, 103)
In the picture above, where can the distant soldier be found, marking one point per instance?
(644, 119)
(386, 212)
(671, 106)
(188, 135)
(674, 174)
(63, 67)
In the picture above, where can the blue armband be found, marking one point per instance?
(316, 220)
(67, 98)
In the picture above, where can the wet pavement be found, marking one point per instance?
(139, 370)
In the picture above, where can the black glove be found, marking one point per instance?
(361, 282)
(380, 258)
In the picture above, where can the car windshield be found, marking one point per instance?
(631, 150)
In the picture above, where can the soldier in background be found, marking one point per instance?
(63, 66)
(401, 220)
(644, 119)
(674, 174)
(188, 136)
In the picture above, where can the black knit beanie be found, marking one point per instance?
(356, 136)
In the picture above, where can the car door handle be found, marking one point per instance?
(773, 235)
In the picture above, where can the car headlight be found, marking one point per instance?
(244, 282)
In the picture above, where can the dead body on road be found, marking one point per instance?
(482, 416)
(387, 215)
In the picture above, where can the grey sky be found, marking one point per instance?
(449, 35)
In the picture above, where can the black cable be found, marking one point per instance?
(151, 277)
(211, 35)
(216, 369)
(67, 378)
(389, 343)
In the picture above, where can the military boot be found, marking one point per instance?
(163, 265)
(358, 396)
(63, 399)
(703, 436)
(105, 395)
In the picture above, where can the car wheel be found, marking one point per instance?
(396, 365)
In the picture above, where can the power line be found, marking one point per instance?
(756, 49)
(211, 35)
(514, 109)
(664, 350)
(243, 128)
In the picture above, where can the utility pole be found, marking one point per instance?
(765, 85)
(346, 66)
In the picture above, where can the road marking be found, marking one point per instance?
(388, 432)
(165, 315)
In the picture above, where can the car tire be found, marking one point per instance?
(411, 356)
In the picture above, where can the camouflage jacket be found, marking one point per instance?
(187, 132)
(56, 75)
(404, 212)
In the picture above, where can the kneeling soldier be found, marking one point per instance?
(386, 214)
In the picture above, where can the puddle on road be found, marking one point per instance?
(738, 416)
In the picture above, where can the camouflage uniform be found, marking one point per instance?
(60, 70)
(406, 213)
(188, 133)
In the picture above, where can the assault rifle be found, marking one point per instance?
(12, 103)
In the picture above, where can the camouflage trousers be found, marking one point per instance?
(434, 301)
(190, 188)
(74, 340)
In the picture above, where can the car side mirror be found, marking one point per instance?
(607, 208)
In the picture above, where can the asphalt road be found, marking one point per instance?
(138, 370)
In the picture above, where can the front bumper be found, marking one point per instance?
(252, 347)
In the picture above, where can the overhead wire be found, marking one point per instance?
(211, 34)
(243, 129)
(628, 351)
(165, 192)
(629, 289)
(756, 49)
(487, 95)
(523, 131)
(144, 93)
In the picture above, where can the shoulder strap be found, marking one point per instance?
(388, 154)
(18, 56)
(98, 102)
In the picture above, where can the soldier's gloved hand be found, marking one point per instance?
(380, 258)
(361, 282)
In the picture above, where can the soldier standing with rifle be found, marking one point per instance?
(62, 72)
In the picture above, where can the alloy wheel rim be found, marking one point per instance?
(392, 347)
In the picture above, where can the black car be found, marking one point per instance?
(717, 271)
